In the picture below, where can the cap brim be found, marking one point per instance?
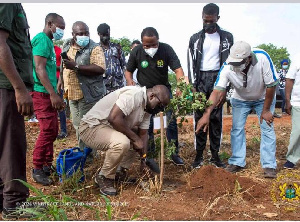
(234, 60)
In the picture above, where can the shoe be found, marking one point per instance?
(122, 176)
(269, 173)
(233, 168)
(61, 136)
(40, 177)
(217, 163)
(106, 185)
(197, 163)
(48, 170)
(288, 165)
(276, 115)
(177, 160)
(16, 213)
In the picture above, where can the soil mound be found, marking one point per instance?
(211, 182)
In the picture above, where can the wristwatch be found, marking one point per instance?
(76, 68)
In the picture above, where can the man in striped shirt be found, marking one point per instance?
(254, 78)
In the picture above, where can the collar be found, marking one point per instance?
(254, 59)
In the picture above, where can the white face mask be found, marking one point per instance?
(151, 51)
(238, 69)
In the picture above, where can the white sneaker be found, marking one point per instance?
(33, 120)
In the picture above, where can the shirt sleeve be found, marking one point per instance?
(131, 64)
(294, 68)
(270, 75)
(128, 101)
(222, 79)
(174, 62)
(6, 16)
(98, 57)
(40, 47)
(146, 121)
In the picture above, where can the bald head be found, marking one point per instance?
(163, 93)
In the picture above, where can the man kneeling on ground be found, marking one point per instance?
(108, 126)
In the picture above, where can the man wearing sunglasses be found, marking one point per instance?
(254, 78)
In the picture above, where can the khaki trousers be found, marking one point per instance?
(118, 152)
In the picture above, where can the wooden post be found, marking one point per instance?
(162, 151)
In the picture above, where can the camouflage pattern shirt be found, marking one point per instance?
(115, 65)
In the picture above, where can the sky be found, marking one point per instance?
(255, 23)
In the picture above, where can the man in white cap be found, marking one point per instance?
(254, 78)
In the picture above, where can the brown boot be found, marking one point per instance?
(106, 185)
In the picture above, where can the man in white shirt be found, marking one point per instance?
(208, 50)
(111, 126)
(292, 98)
(254, 78)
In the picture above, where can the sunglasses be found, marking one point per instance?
(161, 105)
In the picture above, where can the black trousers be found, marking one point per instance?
(205, 84)
(12, 151)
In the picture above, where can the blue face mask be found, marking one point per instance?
(82, 41)
(58, 34)
(285, 66)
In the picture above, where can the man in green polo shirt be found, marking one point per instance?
(46, 101)
(15, 102)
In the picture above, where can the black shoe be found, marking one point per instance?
(233, 168)
(122, 176)
(177, 160)
(106, 185)
(217, 163)
(197, 163)
(61, 136)
(48, 170)
(40, 177)
(288, 165)
(16, 213)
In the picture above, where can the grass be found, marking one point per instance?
(60, 208)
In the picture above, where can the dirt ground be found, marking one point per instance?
(207, 193)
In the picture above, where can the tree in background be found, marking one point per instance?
(276, 54)
(124, 42)
(59, 43)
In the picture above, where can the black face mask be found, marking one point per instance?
(209, 27)
(154, 111)
(104, 39)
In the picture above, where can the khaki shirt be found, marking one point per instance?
(13, 20)
(131, 100)
(71, 82)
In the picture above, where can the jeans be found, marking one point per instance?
(172, 131)
(240, 111)
(282, 94)
(62, 117)
(47, 117)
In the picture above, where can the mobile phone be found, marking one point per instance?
(64, 55)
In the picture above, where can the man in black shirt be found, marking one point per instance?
(152, 59)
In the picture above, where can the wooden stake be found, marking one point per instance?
(162, 151)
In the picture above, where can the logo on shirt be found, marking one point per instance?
(144, 64)
(160, 63)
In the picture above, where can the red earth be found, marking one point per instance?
(207, 193)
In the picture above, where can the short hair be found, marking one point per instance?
(52, 17)
(149, 31)
(135, 42)
(75, 24)
(211, 9)
(103, 28)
